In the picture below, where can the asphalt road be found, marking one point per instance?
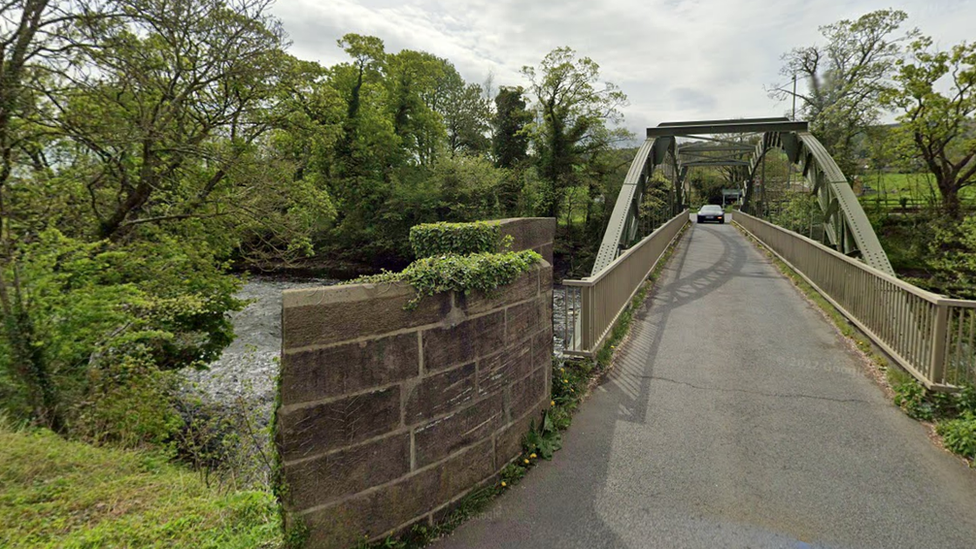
(735, 417)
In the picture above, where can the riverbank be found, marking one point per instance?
(58, 494)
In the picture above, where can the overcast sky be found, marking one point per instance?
(675, 59)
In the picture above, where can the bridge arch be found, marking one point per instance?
(846, 226)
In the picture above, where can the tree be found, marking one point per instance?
(140, 129)
(510, 141)
(465, 112)
(34, 35)
(573, 110)
(844, 79)
(179, 97)
(940, 125)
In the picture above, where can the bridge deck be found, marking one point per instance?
(735, 417)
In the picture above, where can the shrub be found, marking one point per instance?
(910, 397)
(129, 403)
(959, 435)
(483, 272)
(434, 239)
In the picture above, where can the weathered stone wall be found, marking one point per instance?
(531, 233)
(388, 417)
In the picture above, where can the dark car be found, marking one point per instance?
(711, 212)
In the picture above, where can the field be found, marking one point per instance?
(905, 191)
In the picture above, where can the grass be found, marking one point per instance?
(917, 189)
(63, 494)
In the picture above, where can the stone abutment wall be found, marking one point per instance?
(388, 417)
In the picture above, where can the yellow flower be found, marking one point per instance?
(552, 403)
(532, 455)
(565, 381)
(526, 461)
(503, 484)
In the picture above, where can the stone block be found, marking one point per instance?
(529, 232)
(441, 393)
(312, 430)
(467, 341)
(542, 349)
(378, 512)
(545, 251)
(349, 368)
(529, 393)
(332, 476)
(501, 369)
(545, 276)
(442, 437)
(508, 441)
(334, 314)
(527, 318)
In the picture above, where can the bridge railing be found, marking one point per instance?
(931, 336)
(594, 303)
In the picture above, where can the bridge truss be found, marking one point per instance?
(845, 227)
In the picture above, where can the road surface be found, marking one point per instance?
(736, 416)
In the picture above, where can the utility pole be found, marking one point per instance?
(789, 176)
(794, 97)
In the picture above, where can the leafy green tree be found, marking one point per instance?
(510, 143)
(179, 98)
(37, 37)
(468, 187)
(414, 79)
(844, 78)
(573, 111)
(510, 140)
(367, 147)
(952, 258)
(466, 116)
(145, 132)
(940, 124)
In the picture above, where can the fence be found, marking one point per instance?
(931, 336)
(594, 303)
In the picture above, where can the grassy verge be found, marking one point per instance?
(63, 494)
(571, 381)
(951, 418)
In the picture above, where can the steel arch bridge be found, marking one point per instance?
(845, 227)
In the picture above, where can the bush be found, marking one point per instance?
(483, 272)
(128, 403)
(93, 322)
(952, 258)
(910, 396)
(959, 435)
(434, 239)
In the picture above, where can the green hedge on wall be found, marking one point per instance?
(461, 273)
(435, 239)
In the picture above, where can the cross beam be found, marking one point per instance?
(745, 125)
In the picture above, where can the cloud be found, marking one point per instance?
(675, 59)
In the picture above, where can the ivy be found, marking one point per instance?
(483, 272)
(436, 239)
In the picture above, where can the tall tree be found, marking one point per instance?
(573, 110)
(35, 36)
(940, 123)
(466, 119)
(844, 79)
(510, 140)
(180, 95)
